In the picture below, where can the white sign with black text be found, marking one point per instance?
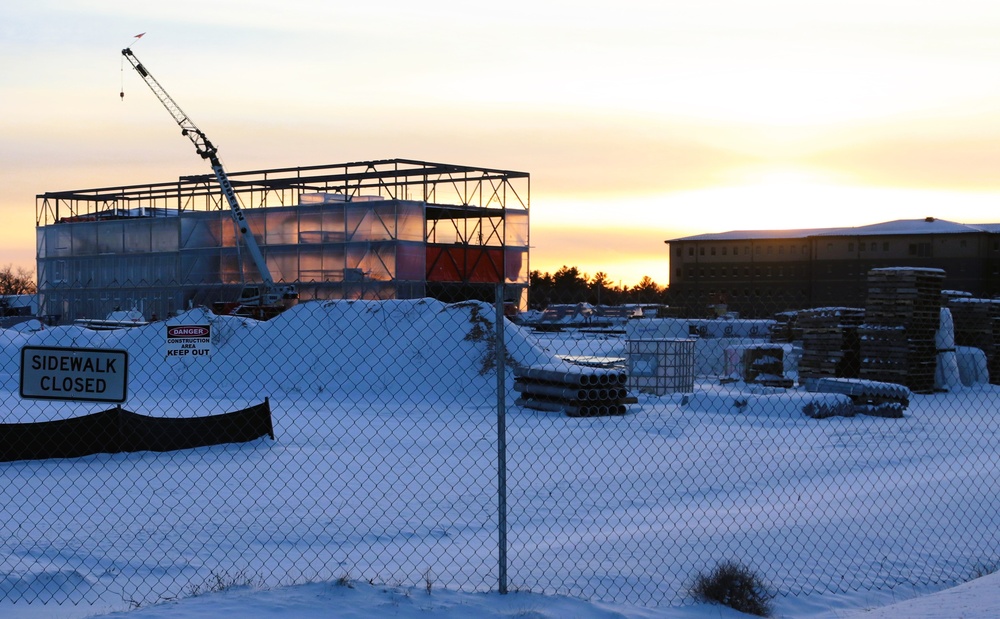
(74, 374)
(189, 341)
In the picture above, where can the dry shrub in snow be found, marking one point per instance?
(734, 585)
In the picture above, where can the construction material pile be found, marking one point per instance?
(764, 364)
(902, 315)
(785, 328)
(977, 325)
(831, 347)
(859, 397)
(583, 392)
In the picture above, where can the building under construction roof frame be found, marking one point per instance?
(438, 184)
(395, 228)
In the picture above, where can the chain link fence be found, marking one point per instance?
(622, 456)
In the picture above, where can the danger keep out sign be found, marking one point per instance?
(189, 340)
(74, 374)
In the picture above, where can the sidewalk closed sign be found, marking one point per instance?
(74, 374)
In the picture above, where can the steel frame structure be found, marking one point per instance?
(462, 190)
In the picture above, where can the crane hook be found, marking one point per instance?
(122, 95)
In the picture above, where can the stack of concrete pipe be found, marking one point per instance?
(582, 392)
(868, 397)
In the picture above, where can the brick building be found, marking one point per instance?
(760, 272)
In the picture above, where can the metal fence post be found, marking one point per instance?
(501, 440)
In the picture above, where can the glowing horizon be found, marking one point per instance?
(642, 123)
(731, 208)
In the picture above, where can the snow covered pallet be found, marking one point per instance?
(867, 397)
(587, 392)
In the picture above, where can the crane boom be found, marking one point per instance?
(272, 293)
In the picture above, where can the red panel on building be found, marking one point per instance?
(478, 265)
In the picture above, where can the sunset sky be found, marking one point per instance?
(638, 121)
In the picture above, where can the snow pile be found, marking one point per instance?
(422, 348)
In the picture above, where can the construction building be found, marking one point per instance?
(760, 272)
(388, 229)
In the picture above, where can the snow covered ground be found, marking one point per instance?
(978, 599)
(384, 472)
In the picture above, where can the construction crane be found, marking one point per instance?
(259, 301)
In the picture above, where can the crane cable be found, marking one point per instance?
(136, 40)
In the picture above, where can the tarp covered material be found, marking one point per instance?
(117, 430)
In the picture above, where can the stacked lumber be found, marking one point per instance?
(583, 392)
(993, 362)
(784, 329)
(902, 314)
(831, 347)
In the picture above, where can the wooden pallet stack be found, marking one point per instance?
(902, 314)
(993, 362)
(784, 329)
(583, 392)
(831, 347)
(974, 324)
(977, 324)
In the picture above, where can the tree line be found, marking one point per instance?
(16, 280)
(568, 285)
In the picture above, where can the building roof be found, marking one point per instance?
(929, 225)
(739, 235)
